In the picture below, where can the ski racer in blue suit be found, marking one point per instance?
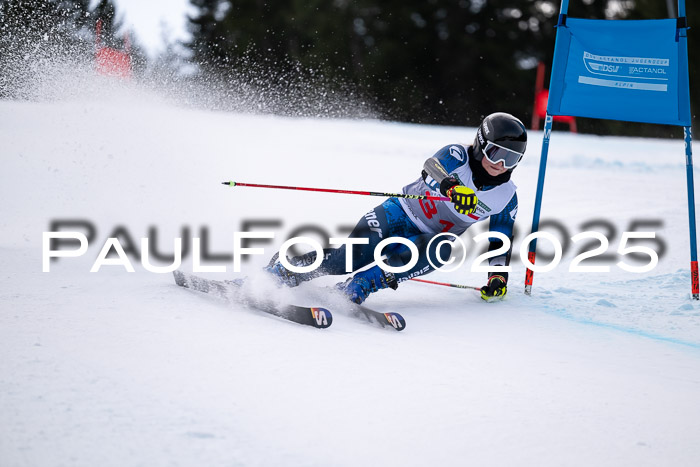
(476, 178)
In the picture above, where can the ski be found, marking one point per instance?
(339, 302)
(232, 291)
(384, 320)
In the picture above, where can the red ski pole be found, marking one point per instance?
(447, 285)
(348, 192)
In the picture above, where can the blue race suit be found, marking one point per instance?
(420, 220)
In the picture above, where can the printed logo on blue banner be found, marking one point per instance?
(620, 70)
(627, 71)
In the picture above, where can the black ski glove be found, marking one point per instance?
(447, 183)
(495, 289)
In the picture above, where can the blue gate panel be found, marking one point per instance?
(620, 70)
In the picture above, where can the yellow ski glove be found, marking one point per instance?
(495, 289)
(463, 198)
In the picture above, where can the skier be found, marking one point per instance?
(476, 178)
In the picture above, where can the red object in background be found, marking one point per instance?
(109, 61)
(539, 109)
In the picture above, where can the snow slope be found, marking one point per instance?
(125, 369)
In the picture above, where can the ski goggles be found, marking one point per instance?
(495, 154)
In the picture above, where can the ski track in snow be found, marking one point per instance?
(117, 368)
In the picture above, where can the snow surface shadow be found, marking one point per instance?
(657, 307)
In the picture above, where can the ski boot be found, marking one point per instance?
(358, 287)
(283, 275)
(287, 277)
